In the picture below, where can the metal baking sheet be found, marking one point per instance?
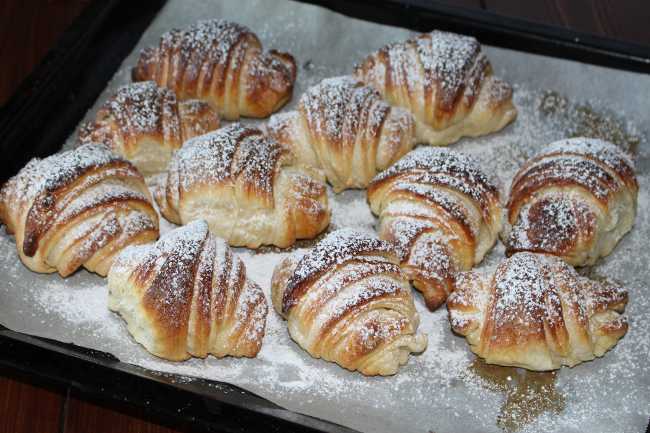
(445, 389)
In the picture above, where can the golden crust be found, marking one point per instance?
(576, 199)
(222, 63)
(188, 295)
(345, 129)
(446, 81)
(346, 301)
(77, 208)
(145, 124)
(536, 312)
(245, 186)
(443, 214)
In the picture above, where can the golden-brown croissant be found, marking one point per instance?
(77, 208)
(536, 312)
(575, 200)
(347, 301)
(441, 211)
(145, 124)
(245, 186)
(188, 295)
(345, 129)
(220, 62)
(446, 81)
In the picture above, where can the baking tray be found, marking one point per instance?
(70, 80)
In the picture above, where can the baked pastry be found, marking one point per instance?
(442, 213)
(145, 124)
(220, 62)
(575, 199)
(536, 312)
(245, 186)
(446, 81)
(188, 295)
(345, 129)
(347, 301)
(77, 208)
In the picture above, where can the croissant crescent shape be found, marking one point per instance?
(446, 81)
(222, 63)
(346, 301)
(145, 124)
(575, 200)
(188, 295)
(536, 312)
(441, 211)
(77, 208)
(345, 129)
(245, 186)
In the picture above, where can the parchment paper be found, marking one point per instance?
(445, 389)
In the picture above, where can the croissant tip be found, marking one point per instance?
(287, 60)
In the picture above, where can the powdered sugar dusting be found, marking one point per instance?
(227, 154)
(41, 176)
(338, 247)
(141, 108)
(335, 109)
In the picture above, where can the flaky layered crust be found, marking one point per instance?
(575, 200)
(346, 301)
(536, 312)
(222, 63)
(442, 213)
(345, 129)
(446, 81)
(77, 208)
(245, 186)
(145, 124)
(188, 295)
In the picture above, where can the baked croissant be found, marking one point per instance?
(536, 312)
(345, 129)
(245, 186)
(347, 301)
(443, 214)
(77, 208)
(220, 62)
(446, 81)
(188, 295)
(575, 200)
(145, 124)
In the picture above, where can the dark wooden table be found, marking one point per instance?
(28, 28)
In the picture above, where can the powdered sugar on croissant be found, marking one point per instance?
(77, 208)
(188, 295)
(441, 211)
(345, 129)
(246, 187)
(536, 312)
(144, 123)
(346, 301)
(576, 200)
(446, 81)
(222, 63)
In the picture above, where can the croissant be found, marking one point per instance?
(77, 208)
(188, 295)
(575, 200)
(347, 301)
(536, 312)
(145, 124)
(245, 186)
(345, 129)
(220, 62)
(442, 213)
(446, 81)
